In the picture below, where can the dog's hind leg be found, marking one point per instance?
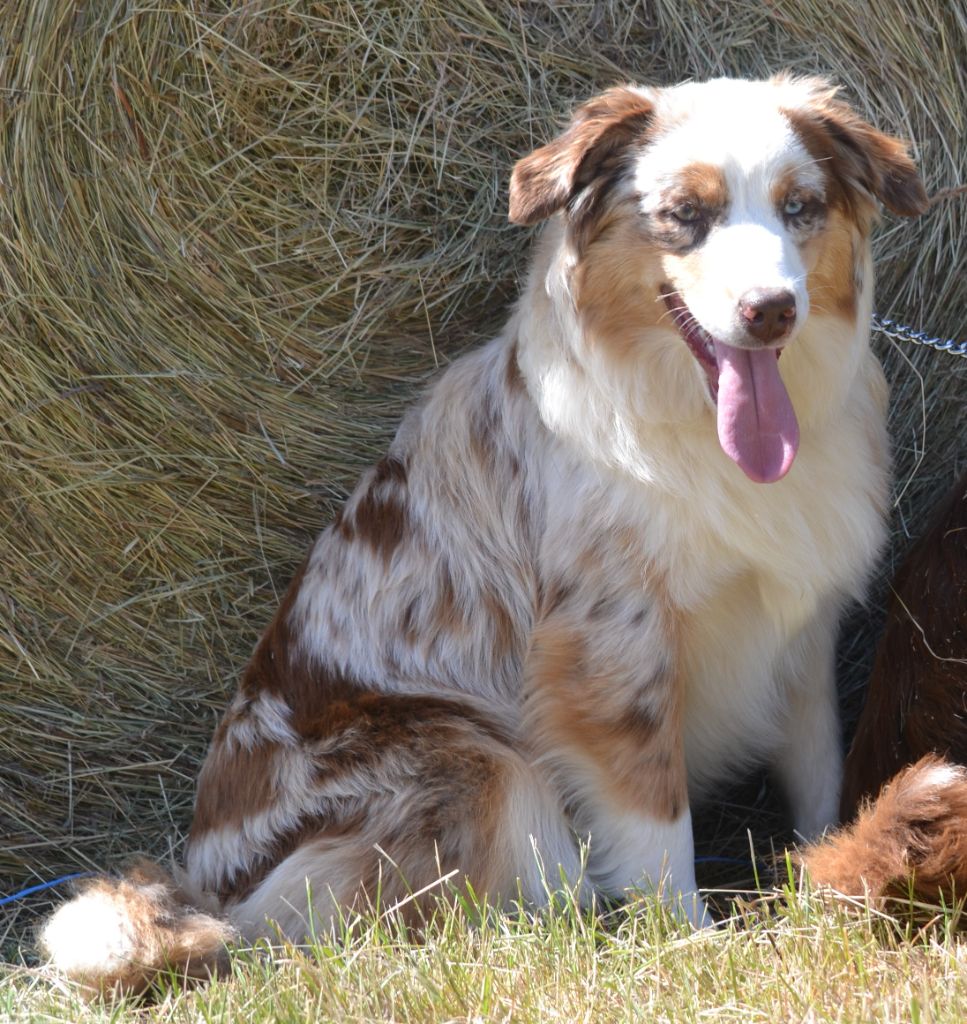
(494, 840)
(398, 799)
(411, 798)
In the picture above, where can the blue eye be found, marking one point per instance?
(793, 207)
(687, 213)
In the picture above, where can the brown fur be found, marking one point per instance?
(702, 185)
(872, 163)
(608, 284)
(378, 517)
(626, 741)
(242, 783)
(917, 697)
(275, 665)
(832, 281)
(911, 842)
(601, 128)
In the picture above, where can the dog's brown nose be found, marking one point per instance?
(768, 313)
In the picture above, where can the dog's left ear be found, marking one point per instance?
(864, 159)
(546, 180)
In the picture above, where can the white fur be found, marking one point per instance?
(808, 757)
(89, 935)
(633, 851)
(938, 777)
(267, 718)
(541, 846)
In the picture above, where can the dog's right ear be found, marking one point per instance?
(546, 180)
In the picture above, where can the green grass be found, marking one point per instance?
(800, 960)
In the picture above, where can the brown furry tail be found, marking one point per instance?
(118, 935)
(911, 842)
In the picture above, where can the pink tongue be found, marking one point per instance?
(756, 422)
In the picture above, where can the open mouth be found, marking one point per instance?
(757, 426)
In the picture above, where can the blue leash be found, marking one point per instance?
(42, 887)
(745, 862)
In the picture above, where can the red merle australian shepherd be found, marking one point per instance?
(599, 569)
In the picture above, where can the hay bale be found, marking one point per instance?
(234, 240)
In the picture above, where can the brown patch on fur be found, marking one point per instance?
(553, 175)
(813, 216)
(704, 186)
(863, 161)
(637, 750)
(408, 626)
(445, 616)
(910, 842)
(235, 783)
(440, 615)
(833, 254)
(554, 595)
(785, 185)
(614, 290)
(379, 722)
(513, 378)
(506, 631)
(488, 440)
(917, 697)
(279, 668)
(602, 207)
(379, 516)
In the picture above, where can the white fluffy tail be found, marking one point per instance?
(119, 935)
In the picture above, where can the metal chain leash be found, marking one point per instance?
(903, 332)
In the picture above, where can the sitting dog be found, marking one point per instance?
(599, 570)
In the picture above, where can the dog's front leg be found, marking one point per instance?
(809, 760)
(604, 710)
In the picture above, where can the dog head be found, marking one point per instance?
(726, 212)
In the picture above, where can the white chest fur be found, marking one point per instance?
(754, 571)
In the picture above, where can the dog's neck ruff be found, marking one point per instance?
(757, 425)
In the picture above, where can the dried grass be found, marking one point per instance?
(234, 239)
